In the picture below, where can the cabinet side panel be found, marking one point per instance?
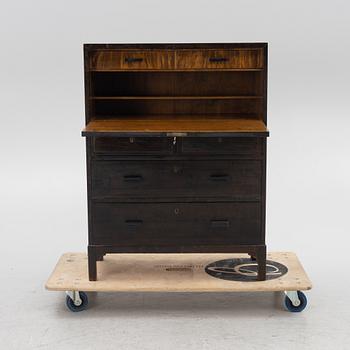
(87, 85)
(265, 72)
(263, 190)
(89, 143)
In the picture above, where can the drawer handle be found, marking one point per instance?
(133, 59)
(219, 177)
(218, 59)
(134, 223)
(133, 178)
(220, 223)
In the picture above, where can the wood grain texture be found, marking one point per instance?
(160, 125)
(167, 273)
(115, 108)
(219, 59)
(176, 97)
(175, 83)
(131, 60)
(114, 60)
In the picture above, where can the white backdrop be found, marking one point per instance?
(43, 184)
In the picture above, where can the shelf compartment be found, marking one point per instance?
(117, 107)
(176, 83)
(176, 126)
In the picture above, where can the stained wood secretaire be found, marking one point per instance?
(176, 149)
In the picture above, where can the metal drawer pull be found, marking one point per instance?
(220, 223)
(218, 59)
(134, 223)
(219, 177)
(133, 178)
(133, 59)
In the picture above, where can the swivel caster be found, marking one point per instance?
(295, 301)
(76, 301)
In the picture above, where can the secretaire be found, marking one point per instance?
(176, 149)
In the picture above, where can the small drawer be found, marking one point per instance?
(219, 59)
(132, 145)
(113, 60)
(245, 146)
(145, 224)
(163, 179)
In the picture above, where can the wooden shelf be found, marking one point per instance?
(178, 70)
(176, 126)
(176, 97)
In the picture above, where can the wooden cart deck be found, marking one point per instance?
(167, 273)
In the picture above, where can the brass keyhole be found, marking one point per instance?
(177, 211)
(131, 139)
(176, 169)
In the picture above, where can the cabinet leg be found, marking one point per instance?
(99, 257)
(261, 260)
(92, 265)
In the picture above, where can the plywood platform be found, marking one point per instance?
(167, 273)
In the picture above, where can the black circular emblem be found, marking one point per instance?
(244, 270)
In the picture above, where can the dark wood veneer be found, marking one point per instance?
(176, 148)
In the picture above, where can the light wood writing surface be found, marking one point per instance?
(175, 125)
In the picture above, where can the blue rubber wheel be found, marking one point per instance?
(76, 308)
(303, 302)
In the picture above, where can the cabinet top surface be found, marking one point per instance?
(107, 46)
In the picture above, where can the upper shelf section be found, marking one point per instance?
(160, 89)
(178, 126)
(179, 59)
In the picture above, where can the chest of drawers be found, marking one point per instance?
(176, 149)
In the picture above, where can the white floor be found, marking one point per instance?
(32, 318)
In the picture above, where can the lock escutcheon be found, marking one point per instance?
(176, 169)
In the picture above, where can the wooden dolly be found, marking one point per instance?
(171, 273)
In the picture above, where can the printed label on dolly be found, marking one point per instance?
(244, 270)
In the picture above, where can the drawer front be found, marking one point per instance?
(133, 146)
(231, 179)
(219, 59)
(111, 60)
(222, 145)
(176, 223)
